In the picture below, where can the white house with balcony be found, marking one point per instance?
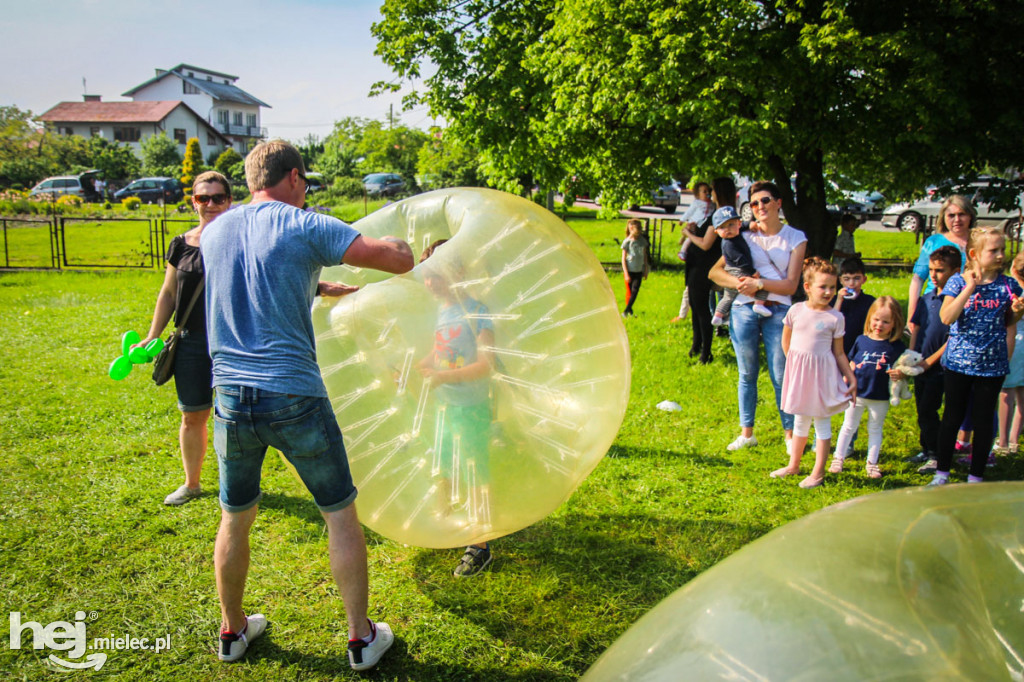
(233, 112)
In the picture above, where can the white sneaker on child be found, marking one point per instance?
(761, 309)
(717, 320)
(741, 442)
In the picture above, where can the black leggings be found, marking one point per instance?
(960, 389)
(635, 279)
(699, 287)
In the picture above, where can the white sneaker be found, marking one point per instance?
(233, 646)
(363, 656)
(938, 480)
(742, 442)
(761, 309)
(717, 320)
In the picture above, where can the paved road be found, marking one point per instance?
(655, 212)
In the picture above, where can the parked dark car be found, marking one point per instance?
(383, 184)
(152, 190)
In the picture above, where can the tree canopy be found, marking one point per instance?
(623, 93)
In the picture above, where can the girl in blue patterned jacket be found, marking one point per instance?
(981, 306)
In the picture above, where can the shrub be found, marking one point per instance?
(107, 206)
(70, 200)
(349, 188)
(131, 203)
(239, 192)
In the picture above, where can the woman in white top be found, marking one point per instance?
(778, 264)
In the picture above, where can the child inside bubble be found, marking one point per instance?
(459, 369)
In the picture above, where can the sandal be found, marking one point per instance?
(474, 561)
(873, 470)
(837, 465)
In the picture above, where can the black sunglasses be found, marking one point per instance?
(764, 201)
(306, 180)
(217, 199)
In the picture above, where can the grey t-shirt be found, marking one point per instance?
(262, 263)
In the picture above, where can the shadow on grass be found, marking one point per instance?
(587, 577)
(692, 454)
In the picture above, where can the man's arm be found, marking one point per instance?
(389, 254)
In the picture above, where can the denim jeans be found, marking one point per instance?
(248, 420)
(747, 329)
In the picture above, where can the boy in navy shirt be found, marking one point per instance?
(928, 337)
(851, 301)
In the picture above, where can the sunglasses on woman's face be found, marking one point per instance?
(763, 201)
(204, 199)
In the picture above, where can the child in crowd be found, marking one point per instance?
(634, 262)
(871, 357)
(738, 263)
(1011, 399)
(813, 384)
(928, 337)
(845, 247)
(458, 371)
(982, 307)
(852, 301)
(695, 215)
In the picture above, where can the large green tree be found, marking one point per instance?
(160, 156)
(624, 92)
(358, 146)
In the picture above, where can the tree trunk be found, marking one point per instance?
(805, 208)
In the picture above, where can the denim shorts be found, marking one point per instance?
(193, 373)
(248, 420)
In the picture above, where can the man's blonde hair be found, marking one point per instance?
(269, 162)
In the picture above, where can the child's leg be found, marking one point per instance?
(957, 393)
(725, 305)
(801, 428)
(986, 395)
(823, 444)
(635, 278)
(1007, 398)
(851, 418)
(877, 409)
(928, 397)
(1018, 417)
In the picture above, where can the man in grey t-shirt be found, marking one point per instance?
(262, 264)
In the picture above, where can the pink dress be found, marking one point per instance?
(813, 386)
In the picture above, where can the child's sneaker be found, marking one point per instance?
(364, 655)
(962, 448)
(474, 561)
(929, 467)
(919, 458)
(741, 442)
(991, 460)
(761, 309)
(717, 320)
(234, 645)
(872, 470)
(836, 466)
(938, 480)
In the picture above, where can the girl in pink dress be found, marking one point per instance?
(813, 386)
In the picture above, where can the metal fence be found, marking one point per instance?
(61, 242)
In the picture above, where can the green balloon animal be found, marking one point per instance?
(122, 366)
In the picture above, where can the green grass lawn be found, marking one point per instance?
(87, 461)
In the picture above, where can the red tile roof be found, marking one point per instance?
(110, 112)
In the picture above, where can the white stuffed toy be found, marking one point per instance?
(908, 365)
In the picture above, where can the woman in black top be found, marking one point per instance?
(193, 370)
(702, 253)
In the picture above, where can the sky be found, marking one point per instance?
(312, 61)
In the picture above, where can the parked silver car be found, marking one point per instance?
(383, 184)
(911, 217)
(667, 196)
(82, 185)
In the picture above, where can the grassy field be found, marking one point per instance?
(87, 462)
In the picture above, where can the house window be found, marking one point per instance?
(210, 139)
(189, 89)
(238, 118)
(180, 136)
(94, 131)
(127, 134)
(250, 120)
(65, 130)
(222, 116)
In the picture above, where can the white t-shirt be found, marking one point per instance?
(772, 259)
(697, 212)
